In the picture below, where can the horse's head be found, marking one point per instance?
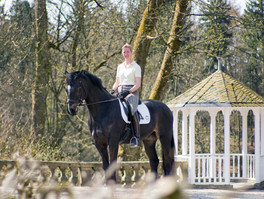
(75, 91)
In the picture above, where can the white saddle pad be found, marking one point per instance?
(144, 115)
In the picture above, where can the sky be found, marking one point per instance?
(240, 3)
(8, 3)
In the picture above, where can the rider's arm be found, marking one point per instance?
(137, 85)
(116, 84)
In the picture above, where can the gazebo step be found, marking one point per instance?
(212, 186)
(243, 186)
(236, 186)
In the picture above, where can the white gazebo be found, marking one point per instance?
(219, 93)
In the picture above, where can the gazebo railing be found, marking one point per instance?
(81, 173)
(209, 169)
(238, 166)
(251, 166)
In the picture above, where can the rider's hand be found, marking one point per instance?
(123, 94)
(112, 92)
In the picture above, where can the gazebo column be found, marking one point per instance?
(262, 142)
(257, 145)
(212, 143)
(227, 145)
(262, 133)
(244, 114)
(175, 131)
(192, 147)
(184, 131)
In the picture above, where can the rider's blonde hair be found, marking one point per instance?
(127, 46)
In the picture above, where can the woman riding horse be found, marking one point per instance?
(128, 81)
(107, 125)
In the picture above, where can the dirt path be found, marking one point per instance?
(130, 193)
(123, 193)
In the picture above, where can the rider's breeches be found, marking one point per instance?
(132, 98)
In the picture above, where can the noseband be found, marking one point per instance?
(79, 102)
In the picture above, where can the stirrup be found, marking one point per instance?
(134, 142)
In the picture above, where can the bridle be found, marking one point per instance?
(81, 103)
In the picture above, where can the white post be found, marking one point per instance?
(175, 131)
(244, 114)
(212, 143)
(192, 147)
(184, 132)
(257, 145)
(261, 142)
(262, 132)
(227, 146)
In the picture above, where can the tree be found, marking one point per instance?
(147, 25)
(16, 55)
(42, 69)
(253, 37)
(216, 30)
(173, 45)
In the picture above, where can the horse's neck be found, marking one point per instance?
(97, 95)
(97, 103)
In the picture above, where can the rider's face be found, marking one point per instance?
(126, 52)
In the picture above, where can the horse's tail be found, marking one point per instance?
(172, 149)
(168, 155)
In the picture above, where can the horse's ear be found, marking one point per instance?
(82, 72)
(67, 74)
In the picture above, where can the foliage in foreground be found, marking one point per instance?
(27, 181)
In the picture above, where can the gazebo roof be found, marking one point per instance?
(219, 89)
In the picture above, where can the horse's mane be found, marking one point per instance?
(87, 76)
(94, 79)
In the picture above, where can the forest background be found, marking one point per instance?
(180, 46)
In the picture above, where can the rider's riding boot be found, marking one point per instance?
(134, 142)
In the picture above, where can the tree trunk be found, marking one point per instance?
(174, 43)
(79, 6)
(42, 69)
(148, 22)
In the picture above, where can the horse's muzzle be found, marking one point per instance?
(72, 109)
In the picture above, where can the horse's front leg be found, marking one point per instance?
(102, 149)
(113, 151)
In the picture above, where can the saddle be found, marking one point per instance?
(142, 111)
(143, 116)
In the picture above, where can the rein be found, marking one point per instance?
(100, 102)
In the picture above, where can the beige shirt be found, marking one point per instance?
(127, 75)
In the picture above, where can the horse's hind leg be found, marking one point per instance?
(167, 145)
(152, 154)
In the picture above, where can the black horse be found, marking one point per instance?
(108, 127)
